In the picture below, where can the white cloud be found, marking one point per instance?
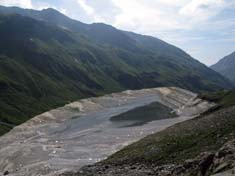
(90, 11)
(201, 10)
(164, 15)
(145, 16)
(29, 5)
(19, 3)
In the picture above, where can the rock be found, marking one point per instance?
(133, 168)
(206, 162)
(221, 167)
(6, 173)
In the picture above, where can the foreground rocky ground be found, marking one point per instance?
(220, 163)
(199, 147)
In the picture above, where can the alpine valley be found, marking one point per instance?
(48, 60)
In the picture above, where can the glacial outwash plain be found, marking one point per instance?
(82, 133)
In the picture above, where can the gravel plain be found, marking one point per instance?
(80, 133)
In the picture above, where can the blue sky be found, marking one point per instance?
(203, 28)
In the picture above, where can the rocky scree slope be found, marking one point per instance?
(48, 60)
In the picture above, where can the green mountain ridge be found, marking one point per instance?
(48, 60)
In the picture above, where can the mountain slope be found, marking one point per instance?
(226, 67)
(47, 59)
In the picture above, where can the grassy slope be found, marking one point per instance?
(184, 140)
(222, 98)
(44, 66)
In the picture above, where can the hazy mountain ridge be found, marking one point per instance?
(47, 59)
(226, 67)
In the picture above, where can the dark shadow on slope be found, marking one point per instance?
(142, 115)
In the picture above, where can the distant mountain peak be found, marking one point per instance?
(51, 10)
(226, 67)
(52, 13)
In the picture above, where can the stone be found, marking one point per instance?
(6, 173)
(206, 162)
(221, 167)
(133, 168)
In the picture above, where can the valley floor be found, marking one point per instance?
(82, 133)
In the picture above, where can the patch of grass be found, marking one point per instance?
(224, 98)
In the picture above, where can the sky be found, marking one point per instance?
(203, 28)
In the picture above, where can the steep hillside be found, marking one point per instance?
(201, 146)
(226, 67)
(47, 59)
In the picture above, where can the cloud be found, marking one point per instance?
(19, 3)
(164, 15)
(201, 10)
(88, 9)
(145, 16)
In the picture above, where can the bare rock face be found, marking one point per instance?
(224, 161)
(217, 163)
(81, 133)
